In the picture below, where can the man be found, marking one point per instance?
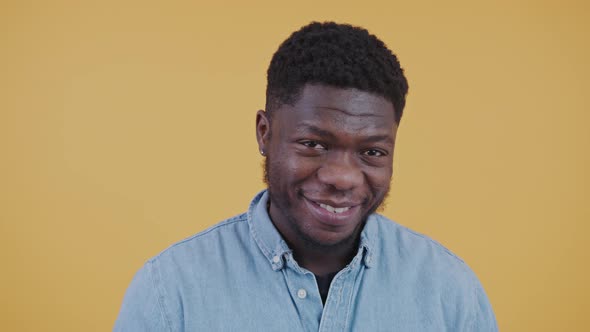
(310, 254)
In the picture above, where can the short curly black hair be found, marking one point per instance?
(339, 55)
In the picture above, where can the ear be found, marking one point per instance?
(262, 131)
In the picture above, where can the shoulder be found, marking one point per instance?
(226, 226)
(153, 301)
(184, 260)
(423, 259)
(409, 244)
(205, 241)
(417, 260)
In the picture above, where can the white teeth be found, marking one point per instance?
(333, 209)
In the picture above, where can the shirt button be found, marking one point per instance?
(276, 259)
(301, 293)
(369, 259)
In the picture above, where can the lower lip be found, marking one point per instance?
(330, 218)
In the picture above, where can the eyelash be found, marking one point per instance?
(310, 143)
(314, 145)
(381, 153)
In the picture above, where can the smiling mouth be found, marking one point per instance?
(332, 209)
(331, 215)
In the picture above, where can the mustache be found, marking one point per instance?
(330, 193)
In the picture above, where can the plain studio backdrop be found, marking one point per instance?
(126, 126)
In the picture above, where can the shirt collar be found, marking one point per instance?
(265, 234)
(369, 240)
(274, 247)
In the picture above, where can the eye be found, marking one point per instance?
(374, 153)
(313, 145)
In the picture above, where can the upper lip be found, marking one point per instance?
(334, 204)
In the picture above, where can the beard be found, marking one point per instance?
(279, 199)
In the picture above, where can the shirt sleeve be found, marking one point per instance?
(142, 308)
(484, 318)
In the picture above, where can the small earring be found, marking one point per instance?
(262, 152)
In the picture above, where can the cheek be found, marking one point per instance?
(297, 168)
(286, 171)
(379, 180)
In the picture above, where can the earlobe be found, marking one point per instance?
(262, 130)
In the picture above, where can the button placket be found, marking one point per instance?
(301, 284)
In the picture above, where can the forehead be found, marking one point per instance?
(339, 109)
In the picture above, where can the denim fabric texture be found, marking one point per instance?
(240, 275)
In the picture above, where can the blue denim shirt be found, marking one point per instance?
(240, 275)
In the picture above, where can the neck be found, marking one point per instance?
(322, 260)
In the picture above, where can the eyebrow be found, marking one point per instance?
(327, 134)
(378, 138)
(314, 130)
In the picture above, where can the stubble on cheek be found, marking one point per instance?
(383, 191)
(383, 204)
(264, 166)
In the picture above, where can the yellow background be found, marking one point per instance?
(127, 126)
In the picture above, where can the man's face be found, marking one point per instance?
(329, 162)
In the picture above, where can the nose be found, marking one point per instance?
(341, 172)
